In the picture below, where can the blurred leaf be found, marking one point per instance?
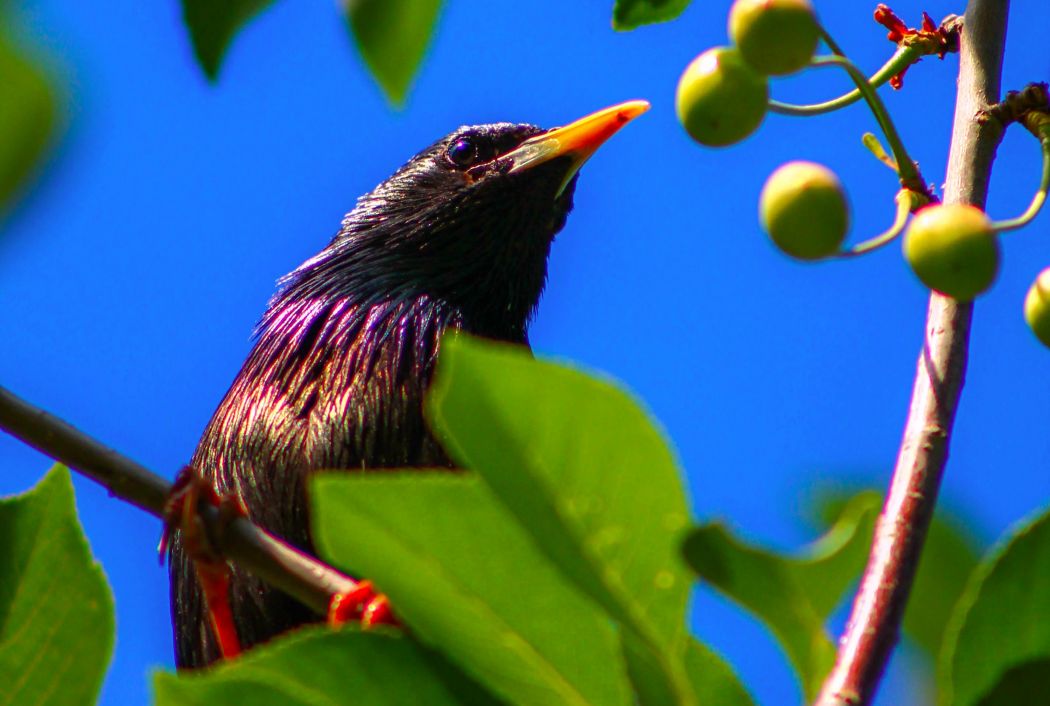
(585, 472)
(27, 118)
(794, 596)
(466, 579)
(393, 36)
(1027, 684)
(948, 558)
(645, 672)
(712, 680)
(628, 14)
(1002, 620)
(320, 667)
(56, 611)
(212, 25)
(875, 147)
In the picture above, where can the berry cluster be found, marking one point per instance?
(723, 96)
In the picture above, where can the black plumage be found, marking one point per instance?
(456, 238)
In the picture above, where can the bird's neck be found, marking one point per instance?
(494, 304)
(302, 327)
(490, 278)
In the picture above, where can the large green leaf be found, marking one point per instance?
(1027, 684)
(586, 473)
(1002, 621)
(580, 465)
(27, 117)
(628, 14)
(949, 556)
(212, 25)
(56, 611)
(393, 36)
(320, 667)
(466, 579)
(794, 596)
(712, 679)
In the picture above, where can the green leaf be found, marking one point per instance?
(585, 472)
(212, 25)
(949, 556)
(1002, 620)
(580, 465)
(713, 680)
(321, 667)
(466, 579)
(56, 611)
(392, 36)
(794, 596)
(629, 14)
(27, 118)
(875, 147)
(1025, 684)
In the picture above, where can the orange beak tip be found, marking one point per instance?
(580, 139)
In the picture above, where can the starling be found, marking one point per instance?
(457, 238)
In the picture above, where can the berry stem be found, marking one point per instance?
(1040, 195)
(907, 201)
(904, 57)
(832, 44)
(909, 173)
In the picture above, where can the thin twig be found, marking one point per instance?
(874, 623)
(299, 575)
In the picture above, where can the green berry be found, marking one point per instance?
(1037, 307)
(776, 37)
(720, 99)
(953, 250)
(804, 210)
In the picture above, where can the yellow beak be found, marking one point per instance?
(578, 140)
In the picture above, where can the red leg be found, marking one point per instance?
(215, 584)
(180, 514)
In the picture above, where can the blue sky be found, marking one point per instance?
(131, 279)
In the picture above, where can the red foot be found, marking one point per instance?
(181, 514)
(362, 604)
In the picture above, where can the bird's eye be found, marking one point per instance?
(463, 152)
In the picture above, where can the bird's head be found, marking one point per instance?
(468, 221)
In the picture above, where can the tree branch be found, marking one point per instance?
(285, 567)
(878, 608)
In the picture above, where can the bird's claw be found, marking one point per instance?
(182, 514)
(362, 605)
